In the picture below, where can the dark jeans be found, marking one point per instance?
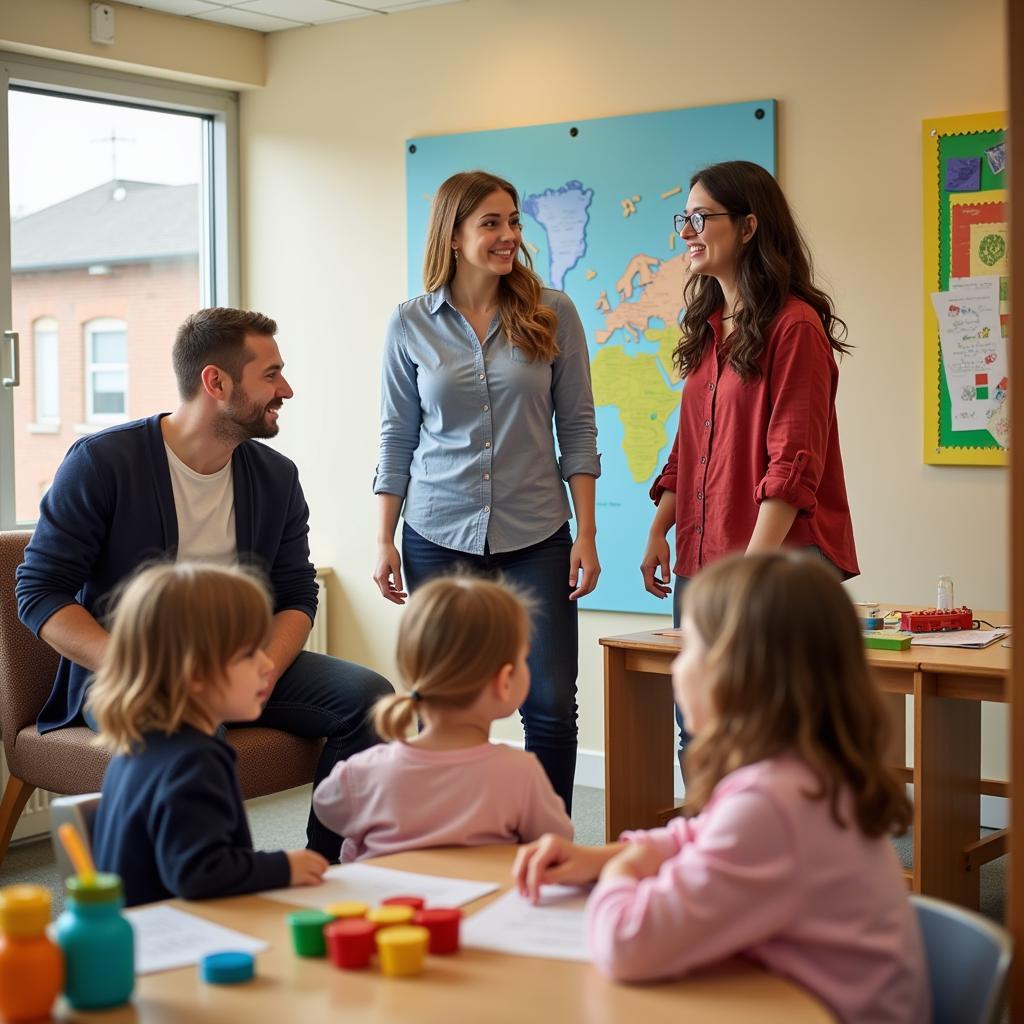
(549, 714)
(323, 696)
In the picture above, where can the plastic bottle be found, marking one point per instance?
(944, 594)
(31, 966)
(98, 944)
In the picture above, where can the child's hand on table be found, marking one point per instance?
(637, 860)
(307, 867)
(552, 860)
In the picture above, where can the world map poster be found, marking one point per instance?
(598, 198)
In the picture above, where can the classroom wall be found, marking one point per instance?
(323, 202)
(145, 41)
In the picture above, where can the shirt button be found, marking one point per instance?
(487, 444)
(482, 376)
(487, 508)
(700, 495)
(707, 424)
(486, 407)
(703, 460)
(487, 476)
(700, 529)
(711, 385)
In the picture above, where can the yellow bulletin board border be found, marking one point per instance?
(933, 131)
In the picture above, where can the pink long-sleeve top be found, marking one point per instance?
(396, 797)
(765, 872)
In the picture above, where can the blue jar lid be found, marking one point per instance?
(226, 968)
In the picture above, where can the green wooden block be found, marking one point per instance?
(886, 640)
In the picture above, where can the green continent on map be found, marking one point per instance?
(636, 386)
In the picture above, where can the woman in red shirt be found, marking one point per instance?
(756, 464)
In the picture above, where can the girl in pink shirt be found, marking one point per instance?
(462, 650)
(784, 855)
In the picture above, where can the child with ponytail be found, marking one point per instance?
(462, 650)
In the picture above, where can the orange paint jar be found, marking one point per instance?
(31, 966)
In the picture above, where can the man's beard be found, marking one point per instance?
(245, 419)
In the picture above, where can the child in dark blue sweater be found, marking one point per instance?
(185, 655)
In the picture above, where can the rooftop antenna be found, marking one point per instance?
(113, 139)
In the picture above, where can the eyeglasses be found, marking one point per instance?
(696, 221)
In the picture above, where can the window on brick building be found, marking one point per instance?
(123, 213)
(106, 370)
(46, 370)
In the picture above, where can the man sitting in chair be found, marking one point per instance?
(195, 484)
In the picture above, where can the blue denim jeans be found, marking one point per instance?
(549, 714)
(322, 696)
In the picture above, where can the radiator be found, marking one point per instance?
(35, 819)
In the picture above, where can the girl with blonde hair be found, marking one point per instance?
(784, 855)
(462, 655)
(474, 372)
(185, 656)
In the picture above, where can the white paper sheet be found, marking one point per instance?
(370, 884)
(959, 638)
(553, 929)
(166, 938)
(973, 349)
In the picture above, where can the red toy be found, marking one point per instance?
(416, 902)
(937, 620)
(350, 944)
(443, 925)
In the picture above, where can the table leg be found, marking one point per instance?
(637, 745)
(947, 767)
(896, 713)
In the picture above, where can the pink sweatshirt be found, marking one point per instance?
(764, 871)
(396, 797)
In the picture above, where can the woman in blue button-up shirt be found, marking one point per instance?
(474, 372)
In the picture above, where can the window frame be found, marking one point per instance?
(89, 331)
(45, 424)
(219, 261)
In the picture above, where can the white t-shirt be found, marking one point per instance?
(205, 506)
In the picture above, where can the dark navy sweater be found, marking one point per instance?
(111, 509)
(171, 823)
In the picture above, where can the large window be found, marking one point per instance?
(46, 370)
(122, 198)
(106, 371)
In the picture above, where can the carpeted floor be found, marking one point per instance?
(279, 822)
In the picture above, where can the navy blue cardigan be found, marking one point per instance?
(171, 823)
(110, 509)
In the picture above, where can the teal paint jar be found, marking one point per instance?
(98, 944)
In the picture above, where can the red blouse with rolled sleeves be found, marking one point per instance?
(774, 437)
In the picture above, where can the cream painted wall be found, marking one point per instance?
(324, 236)
(145, 41)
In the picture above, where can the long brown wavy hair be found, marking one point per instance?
(773, 265)
(786, 665)
(455, 637)
(528, 325)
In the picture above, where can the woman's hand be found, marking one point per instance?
(656, 560)
(388, 573)
(638, 860)
(552, 860)
(583, 558)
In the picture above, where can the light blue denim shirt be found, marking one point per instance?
(466, 429)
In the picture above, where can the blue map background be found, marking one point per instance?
(613, 159)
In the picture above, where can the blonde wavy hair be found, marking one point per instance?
(456, 635)
(787, 670)
(172, 624)
(527, 324)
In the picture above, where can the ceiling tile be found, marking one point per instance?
(249, 19)
(309, 11)
(185, 7)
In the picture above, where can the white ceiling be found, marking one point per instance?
(275, 15)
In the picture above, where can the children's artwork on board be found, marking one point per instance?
(966, 379)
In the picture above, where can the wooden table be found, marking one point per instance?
(948, 686)
(474, 985)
